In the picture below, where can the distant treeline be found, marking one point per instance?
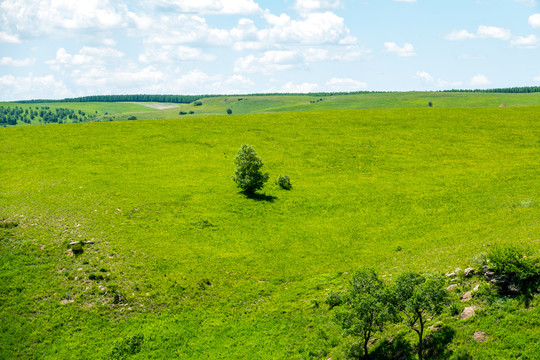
(514, 90)
(183, 99)
(186, 99)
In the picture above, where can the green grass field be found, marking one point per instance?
(184, 266)
(249, 104)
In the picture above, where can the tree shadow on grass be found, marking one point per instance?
(393, 349)
(259, 197)
(436, 343)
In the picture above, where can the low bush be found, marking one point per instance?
(129, 346)
(513, 269)
(284, 182)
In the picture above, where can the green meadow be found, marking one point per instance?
(180, 264)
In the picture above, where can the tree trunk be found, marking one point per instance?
(366, 340)
(420, 335)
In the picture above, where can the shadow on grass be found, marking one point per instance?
(393, 349)
(258, 197)
(398, 348)
(436, 343)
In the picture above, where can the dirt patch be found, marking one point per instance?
(158, 106)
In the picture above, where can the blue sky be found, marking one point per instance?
(68, 48)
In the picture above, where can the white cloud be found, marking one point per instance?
(345, 84)
(315, 28)
(536, 78)
(270, 61)
(479, 79)
(482, 32)
(306, 6)
(228, 7)
(102, 79)
(493, 32)
(460, 35)
(172, 53)
(406, 50)
(87, 56)
(8, 61)
(424, 76)
(279, 60)
(527, 42)
(408, 1)
(534, 20)
(27, 87)
(8, 38)
(529, 3)
(36, 18)
(290, 87)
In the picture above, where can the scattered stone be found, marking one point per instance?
(476, 288)
(480, 336)
(451, 274)
(73, 243)
(69, 252)
(451, 287)
(88, 242)
(457, 271)
(469, 272)
(468, 312)
(66, 301)
(467, 296)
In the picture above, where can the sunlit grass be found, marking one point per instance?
(206, 272)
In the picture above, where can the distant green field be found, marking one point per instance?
(256, 104)
(184, 266)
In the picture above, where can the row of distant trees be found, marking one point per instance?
(186, 99)
(43, 114)
(183, 99)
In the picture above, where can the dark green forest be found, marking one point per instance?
(42, 114)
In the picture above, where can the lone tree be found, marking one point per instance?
(418, 298)
(248, 175)
(366, 307)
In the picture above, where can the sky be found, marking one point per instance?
(55, 49)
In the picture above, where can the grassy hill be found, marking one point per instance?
(182, 265)
(256, 104)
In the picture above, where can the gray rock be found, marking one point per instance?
(467, 296)
(480, 336)
(476, 288)
(451, 274)
(468, 312)
(451, 287)
(469, 272)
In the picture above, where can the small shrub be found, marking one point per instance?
(182, 113)
(191, 112)
(513, 269)
(197, 103)
(229, 111)
(204, 283)
(455, 309)
(8, 224)
(129, 346)
(95, 277)
(77, 249)
(132, 118)
(334, 299)
(284, 182)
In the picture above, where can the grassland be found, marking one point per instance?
(250, 104)
(184, 266)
